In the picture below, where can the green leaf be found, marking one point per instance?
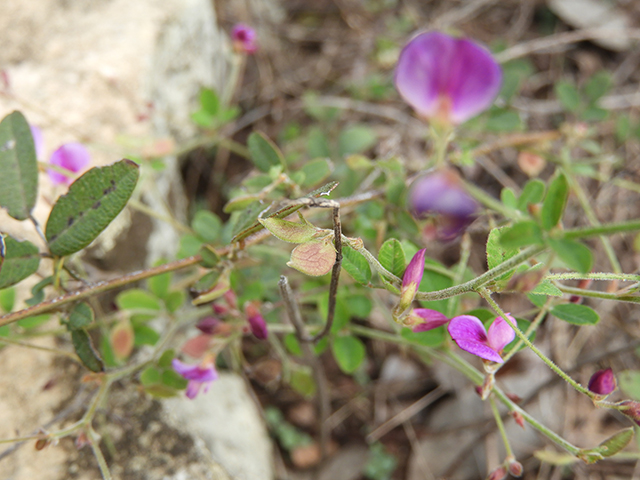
(174, 300)
(355, 139)
(21, 259)
(93, 201)
(391, 256)
(316, 171)
(574, 254)
(430, 338)
(207, 225)
(173, 379)
(189, 246)
(34, 321)
(287, 231)
(547, 288)
(165, 359)
(554, 202)
(504, 121)
(160, 391)
(358, 305)
(497, 253)
(521, 234)
(7, 299)
(209, 101)
(356, 265)
(629, 381)
(19, 166)
(84, 349)
(568, 95)
(145, 335)
(81, 316)
(616, 442)
(137, 299)
(302, 382)
(150, 376)
(210, 257)
(317, 144)
(508, 198)
(532, 193)
(264, 153)
(159, 285)
(575, 314)
(597, 86)
(292, 344)
(349, 353)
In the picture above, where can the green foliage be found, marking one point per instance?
(137, 299)
(349, 353)
(391, 256)
(520, 234)
(91, 204)
(207, 225)
(356, 265)
(575, 314)
(574, 254)
(85, 351)
(264, 153)
(19, 167)
(20, 259)
(554, 201)
(288, 436)
(81, 316)
(381, 464)
(355, 139)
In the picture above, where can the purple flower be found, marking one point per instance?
(198, 375)
(471, 336)
(38, 140)
(411, 280)
(257, 324)
(447, 79)
(244, 38)
(208, 325)
(70, 156)
(424, 319)
(603, 382)
(441, 194)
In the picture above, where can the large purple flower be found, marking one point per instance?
(70, 156)
(441, 194)
(471, 336)
(445, 78)
(198, 375)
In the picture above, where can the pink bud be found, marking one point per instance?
(411, 281)
(631, 409)
(515, 468)
(208, 325)
(499, 473)
(519, 419)
(603, 382)
(244, 38)
(256, 321)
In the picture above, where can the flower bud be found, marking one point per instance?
(208, 325)
(442, 196)
(411, 281)
(519, 419)
(499, 473)
(515, 468)
(256, 321)
(603, 382)
(631, 409)
(244, 38)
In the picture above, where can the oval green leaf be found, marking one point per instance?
(84, 349)
(349, 353)
(576, 314)
(264, 153)
(391, 256)
(554, 202)
(93, 201)
(356, 265)
(21, 259)
(574, 254)
(80, 316)
(19, 166)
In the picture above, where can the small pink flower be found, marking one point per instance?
(442, 196)
(425, 319)
(603, 382)
(257, 323)
(411, 280)
(447, 79)
(198, 376)
(70, 156)
(471, 336)
(244, 38)
(208, 325)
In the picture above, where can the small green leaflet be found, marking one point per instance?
(576, 314)
(497, 253)
(392, 257)
(19, 166)
(574, 254)
(264, 153)
(91, 204)
(20, 259)
(84, 349)
(554, 202)
(349, 353)
(356, 265)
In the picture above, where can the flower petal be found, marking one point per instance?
(38, 140)
(603, 382)
(195, 372)
(500, 333)
(193, 388)
(467, 328)
(431, 319)
(474, 80)
(71, 156)
(479, 349)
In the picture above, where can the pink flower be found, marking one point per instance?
(70, 156)
(198, 375)
(425, 319)
(471, 336)
(257, 323)
(603, 382)
(441, 194)
(411, 280)
(244, 38)
(447, 79)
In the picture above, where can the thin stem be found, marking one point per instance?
(335, 275)
(94, 441)
(11, 341)
(487, 296)
(96, 288)
(501, 429)
(595, 294)
(324, 405)
(489, 275)
(465, 252)
(490, 202)
(593, 220)
(630, 277)
(607, 229)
